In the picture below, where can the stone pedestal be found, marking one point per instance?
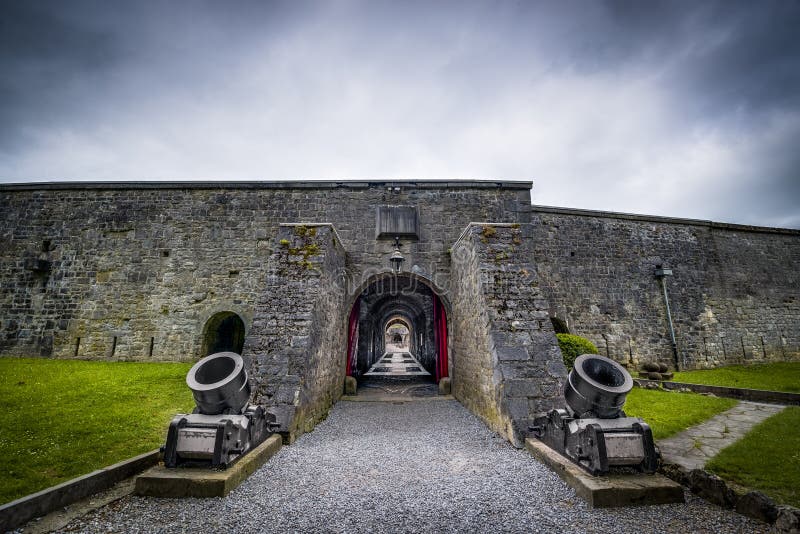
(350, 385)
(444, 386)
(611, 490)
(204, 482)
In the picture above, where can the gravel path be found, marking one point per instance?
(419, 466)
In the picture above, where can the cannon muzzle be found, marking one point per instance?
(597, 387)
(219, 384)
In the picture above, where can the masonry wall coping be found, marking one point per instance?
(660, 219)
(257, 184)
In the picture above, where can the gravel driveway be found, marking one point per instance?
(425, 466)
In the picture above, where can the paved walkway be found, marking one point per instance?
(397, 364)
(695, 446)
(425, 466)
(389, 389)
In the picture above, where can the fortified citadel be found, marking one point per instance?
(308, 281)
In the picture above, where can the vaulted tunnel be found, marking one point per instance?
(398, 312)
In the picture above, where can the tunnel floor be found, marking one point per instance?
(386, 387)
(396, 374)
(397, 364)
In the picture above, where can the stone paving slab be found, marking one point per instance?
(397, 364)
(389, 388)
(612, 490)
(695, 446)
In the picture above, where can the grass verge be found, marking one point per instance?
(767, 458)
(668, 412)
(777, 376)
(65, 418)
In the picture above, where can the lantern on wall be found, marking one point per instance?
(396, 259)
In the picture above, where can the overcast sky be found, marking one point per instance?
(688, 109)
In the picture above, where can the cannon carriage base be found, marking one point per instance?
(597, 445)
(198, 440)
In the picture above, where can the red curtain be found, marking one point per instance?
(352, 338)
(440, 337)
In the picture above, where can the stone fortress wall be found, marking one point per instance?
(507, 364)
(734, 293)
(149, 264)
(139, 271)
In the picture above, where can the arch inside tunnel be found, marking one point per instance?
(398, 306)
(397, 333)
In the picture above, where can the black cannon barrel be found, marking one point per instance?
(597, 385)
(219, 384)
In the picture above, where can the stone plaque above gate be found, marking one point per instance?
(396, 221)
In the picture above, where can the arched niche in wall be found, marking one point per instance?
(559, 325)
(224, 331)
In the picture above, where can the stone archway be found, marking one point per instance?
(403, 305)
(224, 331)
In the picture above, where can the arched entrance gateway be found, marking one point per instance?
(224, 331)
(397, 333)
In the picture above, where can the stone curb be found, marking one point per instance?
(394, 399)
(753, 395)
(38, 504)
(750, 503)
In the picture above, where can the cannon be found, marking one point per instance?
(224, 426)
(593, 431)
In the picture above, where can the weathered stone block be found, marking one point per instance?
(788, 520)
(712, 488)
(350, 385)
(505, 353)
(444, 386)
(522, 388)
(608, 491)
(756, 504)
(160, 481)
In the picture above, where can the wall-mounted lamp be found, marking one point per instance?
(396, 259)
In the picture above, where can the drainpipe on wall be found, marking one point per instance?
(661, 274)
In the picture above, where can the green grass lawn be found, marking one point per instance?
(778, 376)
(64, 418)
(767, 458)
(668, 413)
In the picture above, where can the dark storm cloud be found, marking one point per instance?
(668, 107)
(43, 60)
(753, 60)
